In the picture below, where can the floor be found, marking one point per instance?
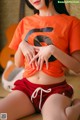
(71, 79)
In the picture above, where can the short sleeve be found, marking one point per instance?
(74, 39)
(17, 37)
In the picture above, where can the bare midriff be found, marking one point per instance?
(42, 78)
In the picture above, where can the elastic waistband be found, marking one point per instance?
(46, 86)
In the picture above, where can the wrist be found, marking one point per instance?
(52, 49)
(22, 44)
(19, 48)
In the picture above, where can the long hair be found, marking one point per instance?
(59, 6)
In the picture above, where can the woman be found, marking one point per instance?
(45, 43)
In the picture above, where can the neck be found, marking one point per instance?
(48, 11)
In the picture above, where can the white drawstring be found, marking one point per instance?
(35, 93)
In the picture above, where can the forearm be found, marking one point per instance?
(66, 60)
(19, 58)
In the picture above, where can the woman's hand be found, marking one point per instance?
(28, 52)
(43, 54)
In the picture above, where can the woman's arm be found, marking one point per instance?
(72, 62)
(19, 58)
(24, 51)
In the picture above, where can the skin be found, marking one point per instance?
(56, 107)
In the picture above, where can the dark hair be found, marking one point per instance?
(59, 6)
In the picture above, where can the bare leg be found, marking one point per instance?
(73, 112)
(16, 105)
(54, 107)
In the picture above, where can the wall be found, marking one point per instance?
(75, 9)
(9, 14)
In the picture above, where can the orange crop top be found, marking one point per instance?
(61, 30)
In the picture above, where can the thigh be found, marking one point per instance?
(16, 105)
(54, 107)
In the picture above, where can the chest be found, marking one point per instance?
(46, 33)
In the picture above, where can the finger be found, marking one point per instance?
(27, 57)
(30, 56)
(32, 64)
(36, 49)
(33, 59)
(36, 64)
(46, 61)
(41, 64)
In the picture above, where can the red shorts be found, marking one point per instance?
(38, 93)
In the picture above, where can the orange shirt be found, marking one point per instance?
(61, 30)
